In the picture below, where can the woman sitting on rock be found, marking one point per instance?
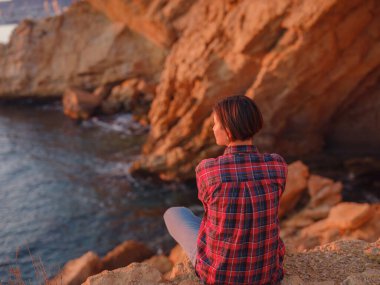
(237, 241)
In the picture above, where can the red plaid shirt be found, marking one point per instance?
(238, 240)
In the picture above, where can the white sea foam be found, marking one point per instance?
(5, 32)
(122, 123)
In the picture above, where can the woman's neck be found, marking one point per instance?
(238, 142)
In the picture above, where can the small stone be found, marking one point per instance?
(177, 254)
(182, 271)
(316, 183)
(79, 104)
(349, 215)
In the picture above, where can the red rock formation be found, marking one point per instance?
(312, 66)
(79, 104)
(79, 48)
(160, 21)
(301, 61)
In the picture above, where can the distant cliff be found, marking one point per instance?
(79, 48)
(312, 66)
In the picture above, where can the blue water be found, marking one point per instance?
(65, 189)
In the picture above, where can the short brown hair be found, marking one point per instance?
(240, 115)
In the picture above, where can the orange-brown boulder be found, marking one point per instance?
(126, 253)
(323, 193)
(296, 184)
(316, 183)
(77, 270)
(177, 254)
(328, 195)
(346, 220)
(132, 95)
(182, 271)
(370, 229)
(349, 216)
(79, 104)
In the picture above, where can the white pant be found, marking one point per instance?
(183, 226)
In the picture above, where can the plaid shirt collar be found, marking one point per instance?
(240, 148)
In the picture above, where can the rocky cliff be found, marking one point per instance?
(312, 66)
(160, 21)
(81, 48)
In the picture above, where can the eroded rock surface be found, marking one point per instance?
(312, 66)
(304, 63)
(160, 21)
(80, 48)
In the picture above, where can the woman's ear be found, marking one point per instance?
(229, 136)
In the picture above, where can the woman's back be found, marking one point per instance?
(238, 241)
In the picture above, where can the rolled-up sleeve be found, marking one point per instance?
(200, 182)
(283, 170)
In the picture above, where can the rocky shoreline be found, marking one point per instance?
(327, 242)
(347, 262)
(313, 68)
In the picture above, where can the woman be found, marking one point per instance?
(237, 241)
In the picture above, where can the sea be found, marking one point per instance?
(65, 189)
